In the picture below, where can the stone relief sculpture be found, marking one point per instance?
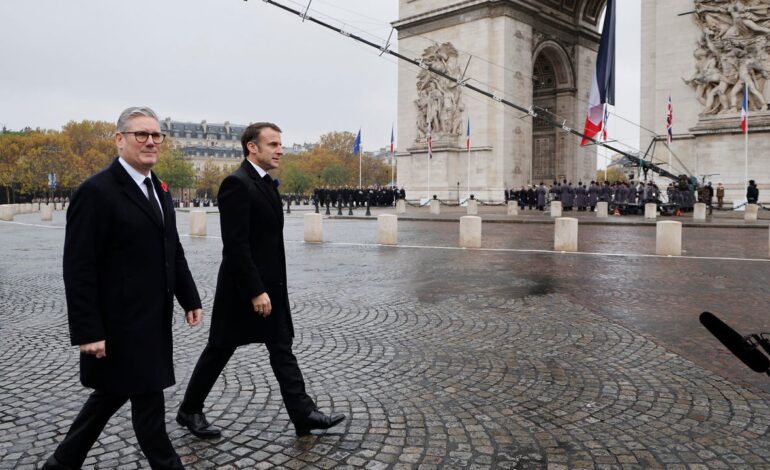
(732, 53)
(438, 99)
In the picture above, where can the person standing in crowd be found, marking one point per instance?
(720, 195)
(752, 192)
(593, 195)
(123, 265)
(251, 304)
(542, 195)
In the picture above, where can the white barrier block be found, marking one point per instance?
(198, 223)
(668, 238)
(314, 228)
(401, 206)
(46, 212)
(555, 208)
(513, 208)
(7, 211)
(470, 231)
(387, 229)
(699, 211)
(565, 234)
(435, 206)
(473, 207)
(751, 212)
(602, 209)
(57, 206)
(651, 211)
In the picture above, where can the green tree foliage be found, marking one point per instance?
(174, 169)
(209, 179)
(338, 143)
(336, 174)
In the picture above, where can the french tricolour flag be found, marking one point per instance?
(745, 110)
(468, 136)
(603, 84)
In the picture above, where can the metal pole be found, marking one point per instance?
(468, 176)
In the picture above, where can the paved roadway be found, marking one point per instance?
(507, 357)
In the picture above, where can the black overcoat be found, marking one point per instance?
(253, 262)
(122, 268)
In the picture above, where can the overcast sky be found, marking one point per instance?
(224, 60)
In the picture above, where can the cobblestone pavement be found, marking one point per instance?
(440, 357)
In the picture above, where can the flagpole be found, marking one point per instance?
(746, 155)
(360, 153)
(468, 145)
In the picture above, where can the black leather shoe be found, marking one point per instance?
(197, 424)
(317, 420)
(53, 464)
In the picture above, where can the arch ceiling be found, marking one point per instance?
(586, 12)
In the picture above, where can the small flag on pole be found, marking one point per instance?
(745, 110)
(392, 147)
(468, 136)
(670, 120)
(357, 144)
(430, 142)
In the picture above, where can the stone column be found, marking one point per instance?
(313, 228)
(473, 207)
(198, 223)
(387, 229)
(651, 211)
(513, 208)
(7, 212)
(555, 208)
(57, 206)
(668, 238)
(751, 213)
(565, 236)
(602, 209)
(699, 211)
(401, 206)
(470, 231)
(46, 212)
(435, 206)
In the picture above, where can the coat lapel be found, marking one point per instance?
(134, 194)
(270, 193)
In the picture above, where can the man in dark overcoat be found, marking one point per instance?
(123, 265)
(251, 304)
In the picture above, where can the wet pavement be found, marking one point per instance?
(511, 356)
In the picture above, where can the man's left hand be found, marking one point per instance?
(194, 316)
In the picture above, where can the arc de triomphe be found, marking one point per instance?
(530, 52)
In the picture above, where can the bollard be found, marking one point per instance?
(751, 213)
(339, 206)
(650, 210)
(57, 206)
(699, 211)
(473, 207)
(513, 208)
(565, 235)
(668, 238)
(387, 229)
(315, 203)
(602, 209)
(350, 207)
(313, 228)
(7, 212)
(435, 206)
(368, 212)
(555, 208)
(470, 231)
(198, 223)
(46, 212)
(288, 206)
(328, 212)
(401, 206)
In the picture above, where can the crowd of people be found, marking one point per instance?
(380, 196)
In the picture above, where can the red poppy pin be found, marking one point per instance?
(164, 186)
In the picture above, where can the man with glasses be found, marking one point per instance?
(123, 265)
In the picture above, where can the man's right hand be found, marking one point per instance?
(262, 305)
(95, 349)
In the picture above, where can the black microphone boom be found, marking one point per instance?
(743, 347)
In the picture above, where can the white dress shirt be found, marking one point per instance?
(139, 179)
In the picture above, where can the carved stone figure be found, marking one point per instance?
(438, 99)
(732, 55)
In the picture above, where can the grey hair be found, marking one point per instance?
(132, 112)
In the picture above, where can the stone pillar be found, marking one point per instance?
(651, 211)
(699, 211)
(16, 208)
(565, 236)
(473, 207)
(668, 238)
(57, 206)
(470, 231)
(513, 208)
(198, 223)
(7, 212)
(387, 229)
(46, 212)
(751, 213)
(401, 206)
(435, 206)
(555, 208)
(602, 209)
(313, 228)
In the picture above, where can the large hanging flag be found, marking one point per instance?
(468, 136)
(745, 110)
(605, 118)
(669, 121)
(603, 83)
(357, 144)
(430, 142)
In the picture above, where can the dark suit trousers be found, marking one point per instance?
(148, 415)
(285, 367)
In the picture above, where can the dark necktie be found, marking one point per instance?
(153, 200)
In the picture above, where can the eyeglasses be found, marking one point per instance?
(141, 136)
